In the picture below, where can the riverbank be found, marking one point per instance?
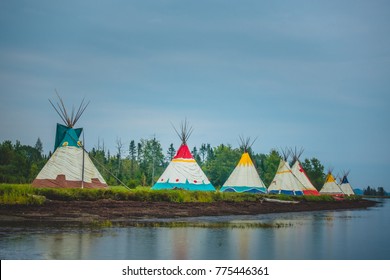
(122, 211)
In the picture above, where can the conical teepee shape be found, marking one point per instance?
(183, 172)
(330, 186)
(300, 174)
(345, 186)
(244, 178)
(285, 182)
(70, 165)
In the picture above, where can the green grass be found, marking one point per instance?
(25, 194)
(317, 198)
(19, 194)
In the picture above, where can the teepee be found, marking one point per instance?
(244, 177)
(345, 186)
(301, 175)
(69, 166)
(183, 172)
(330, 186)
(284, 181)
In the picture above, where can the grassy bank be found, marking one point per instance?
(25, 194)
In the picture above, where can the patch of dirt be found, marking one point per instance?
(101, 210)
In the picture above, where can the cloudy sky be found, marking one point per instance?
(311, 74)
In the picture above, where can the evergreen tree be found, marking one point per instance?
(210, 152)
(19, 163)
(139, 152)
(152, 159)
(132, 157)
(39, 146)
(203, 152)
(315, 171)
(119, 147)
(267, 166)
(222, 162)
(195, 154)
(171, 152)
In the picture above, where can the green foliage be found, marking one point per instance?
(352, 197)
(222, 163)
(19, 163)
(284, 197)
(315, 171)
(171, 152)
(25, 194)
(19, 194)
(267, 165)
(374, 192)
(317, 198)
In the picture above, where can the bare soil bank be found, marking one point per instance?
(102, 210)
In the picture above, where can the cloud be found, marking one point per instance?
(305, 73)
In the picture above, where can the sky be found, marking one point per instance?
(311, 74)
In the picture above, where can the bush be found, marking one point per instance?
(19, 194)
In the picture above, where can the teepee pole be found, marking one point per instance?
(82, 171)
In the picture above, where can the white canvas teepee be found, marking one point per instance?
(70, 165)
(301, 175)
(345, 186)
(183, 172)
(244, 177)
(284, 181)
(330, 186)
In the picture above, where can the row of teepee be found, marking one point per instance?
(71, 166)
(184, 173)
(331, 187)
(291, 181)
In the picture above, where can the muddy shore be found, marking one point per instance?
(122, 211)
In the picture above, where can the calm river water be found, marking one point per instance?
(329, 235)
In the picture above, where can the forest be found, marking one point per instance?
(142, 162)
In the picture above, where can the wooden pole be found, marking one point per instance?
(82, 171)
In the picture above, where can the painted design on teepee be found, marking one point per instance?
(330, 186)
(284, 181)
(70, 165)
(183, 172)
(345, 186)
(301, 175)
(244, 177)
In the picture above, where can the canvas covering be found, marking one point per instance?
(183, 172)
(69, 166)
(66, 136)
(346, 187)
(64, 169)
(285, 182)
(330, 186)
(244, 178)
(301, 175)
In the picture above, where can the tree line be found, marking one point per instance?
(375, 192)
(141, 163)
(19, 163)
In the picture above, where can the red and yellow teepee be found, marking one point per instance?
(183, 172)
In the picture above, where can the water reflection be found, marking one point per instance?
(358, 234)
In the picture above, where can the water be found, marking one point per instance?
(335, 235)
